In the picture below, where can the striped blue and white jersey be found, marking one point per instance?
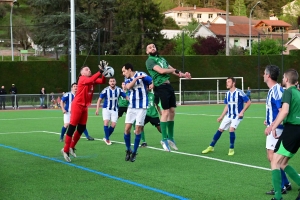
(111, 97)
(138, 93)
(273, 104)
(235, 101)
(67, 99)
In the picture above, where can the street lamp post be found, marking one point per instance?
(250, 26)
(11, 30)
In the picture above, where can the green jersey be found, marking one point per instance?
(291, 96)
(158, 78)
(151, 110)
(122, 102)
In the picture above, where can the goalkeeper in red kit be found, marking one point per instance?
(79, 107)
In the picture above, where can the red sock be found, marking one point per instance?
(68, 140)
(76, 137)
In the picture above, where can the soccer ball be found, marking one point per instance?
(108, 72)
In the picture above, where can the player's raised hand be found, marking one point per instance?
(102, 65)
(187, 75)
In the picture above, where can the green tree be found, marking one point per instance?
(239, 8)
(185, 42)
(169, 23)
(135, 29)
(267, 46)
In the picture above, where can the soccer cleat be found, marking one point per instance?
(298, 197)
(133, 157)
(165, 145)
(108, 142)
(66, 155)
(272, 192)
(128, 153)
(208, 149)
(288, 186)
(172, 144)
(72, 152)
(144, 144)
(90, 138)
(231, 152)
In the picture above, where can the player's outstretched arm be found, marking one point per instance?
(223, 113)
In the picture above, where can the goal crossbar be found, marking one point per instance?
(207, 78)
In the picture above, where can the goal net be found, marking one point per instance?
(191, 90)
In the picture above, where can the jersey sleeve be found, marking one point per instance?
(65, 97)
(225, 99)
(150, 64)
(102, 94)
(287, 97)
(244, 96)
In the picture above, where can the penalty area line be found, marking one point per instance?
(187, 154)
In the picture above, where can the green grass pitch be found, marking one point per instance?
(32, 167)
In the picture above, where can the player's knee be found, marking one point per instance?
(71, 130)
(81, 128)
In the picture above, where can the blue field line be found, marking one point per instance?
(98, 173)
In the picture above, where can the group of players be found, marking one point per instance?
(283, 140)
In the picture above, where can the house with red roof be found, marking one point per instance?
(183, 15)
(238, 33)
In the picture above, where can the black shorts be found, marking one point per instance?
(289, 141)
(121, 111)
(166, 94)
(153, 120)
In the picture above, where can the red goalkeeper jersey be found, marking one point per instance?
(85, 89)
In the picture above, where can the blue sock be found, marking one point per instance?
(111, 130)
(284, 179)
(232, 138)
(106, 132)
(63, 131)
(215, 138)
(86, 133)
(127, 140)
(136, 142)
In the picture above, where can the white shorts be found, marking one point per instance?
(271, 141)
(110, 115)
(67, 116)
(136, 114)
(228, 122)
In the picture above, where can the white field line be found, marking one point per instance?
(158, 149)
(215, 115)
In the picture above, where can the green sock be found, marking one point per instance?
(170, 130)
(163, 126)
(276, 180)
(143, 136)
(292, 174)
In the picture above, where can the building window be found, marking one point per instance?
(236, 42)
(190, 15)
(248, 43)
(199, 15)
(179, 14)
(210, 16)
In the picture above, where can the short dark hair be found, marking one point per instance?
(292, 75)
(112, 78)
(273, 71)
(73, 84)
(232, 78)
(128, 66)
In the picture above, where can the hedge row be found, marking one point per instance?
(30, 76)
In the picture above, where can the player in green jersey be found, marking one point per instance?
(160, 71)
(122, 102)
(289, 141)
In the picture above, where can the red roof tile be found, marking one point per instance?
(274, 23)
(241, 30)
(197, 9)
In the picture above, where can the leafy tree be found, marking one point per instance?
(169, 23)
(21, 32)
(191, 26)
(209, 46)
(135, 29)
(188, 43)
(239, 8)
(267, 46)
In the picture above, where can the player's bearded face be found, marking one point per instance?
(151, 50)
(112, 83)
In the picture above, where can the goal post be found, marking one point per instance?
(208, 78)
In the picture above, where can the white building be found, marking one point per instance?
(183, 15)
(293, 44)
